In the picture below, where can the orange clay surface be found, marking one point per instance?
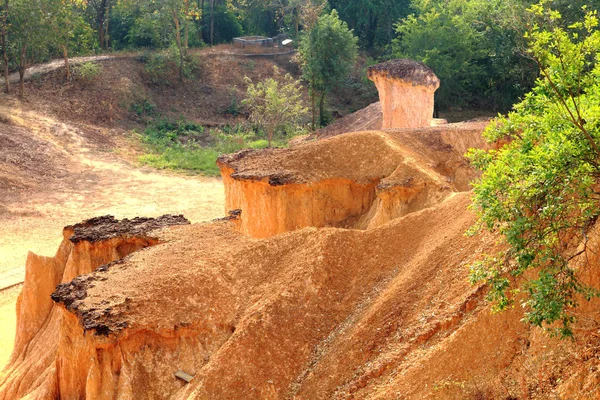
(58, 176)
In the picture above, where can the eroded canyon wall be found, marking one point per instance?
(272, 318)
(316, 313)
(32, 368)
(357, 180)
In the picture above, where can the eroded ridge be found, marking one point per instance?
(32, 369)
(315, 313)
(107, 227)
(356, 180)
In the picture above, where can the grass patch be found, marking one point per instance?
(185, 145)
(201, 160)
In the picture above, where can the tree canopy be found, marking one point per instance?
(540, 190)
(328, 52)
(476, 47)
(276, 104)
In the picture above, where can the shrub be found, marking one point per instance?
(87, 72)
(163, 67)
(143, 108)
(274, 105)
(540, 191)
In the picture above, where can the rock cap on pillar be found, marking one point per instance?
(406, 89)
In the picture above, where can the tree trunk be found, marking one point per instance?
(322, 109)
(212, 22)
(22, 68)
(101, 32)
(313, 98)
(4, 34)
(178, 41)
(201, 21)
(6, 80)
(107, 35)
(270, 136)
(21, 81)
(66, 57)
(185, 26)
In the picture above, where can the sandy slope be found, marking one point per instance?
(53, 174)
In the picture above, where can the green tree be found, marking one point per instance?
(4, 6)
(29, 34)
(222, 25)
(328, 52)
(473, 46)
(540, 191)
(99, 12)
(62, 22)
(372, 20)
(276, 105)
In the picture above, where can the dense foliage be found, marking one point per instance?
(328, 52)
(540, 190)
(276, 105)
(476, 47)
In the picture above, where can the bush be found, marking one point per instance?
(87, 72)
(539, 192)
(157, 67)
(188, 146)
(162, 67)
(179, 157)
(276, 105)
(165, 132)
(143, 108)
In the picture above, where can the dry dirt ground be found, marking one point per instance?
(64, 152)
(53, 174)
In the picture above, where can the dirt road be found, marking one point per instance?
(53, 65)
(88, 181)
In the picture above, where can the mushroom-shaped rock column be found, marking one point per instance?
(406, 91)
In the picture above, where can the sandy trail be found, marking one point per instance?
(96, 183)
(54, 65)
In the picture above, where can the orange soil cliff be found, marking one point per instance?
(359, 180)
(313, 313)
(32, 367)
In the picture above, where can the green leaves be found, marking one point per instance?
(275, 105)
(328, 52)
(539, 191)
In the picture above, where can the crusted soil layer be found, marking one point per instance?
(411, 71)
(359, 180)
(85, 247)
(70, 295)
(107, 227)
(362, 157)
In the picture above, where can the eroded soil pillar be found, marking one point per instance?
(406, 91)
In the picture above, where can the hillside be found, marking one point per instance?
(273, 318)
(336, 268)
(124, 91)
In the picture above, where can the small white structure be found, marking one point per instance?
(253, 41)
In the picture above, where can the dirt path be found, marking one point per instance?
(213, 51)
(54, 65)
(91, 183)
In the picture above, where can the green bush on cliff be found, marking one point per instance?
(540, 191)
